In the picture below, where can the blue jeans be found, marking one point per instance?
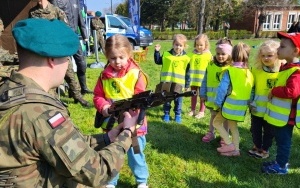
(137, 164)
(283, 137)
(177, 107)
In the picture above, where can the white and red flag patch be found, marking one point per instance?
(56, 120)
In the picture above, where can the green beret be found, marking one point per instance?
(47, 38)
(98, 13)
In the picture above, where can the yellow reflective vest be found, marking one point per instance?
(236, 103)
(264, 82)
(213, 73)
(174, 68)
(198, 64)
(278, 109)
(120, 88)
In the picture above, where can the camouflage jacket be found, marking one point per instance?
(41, 147)
(5, 56)
(50, 12)
(97, 24)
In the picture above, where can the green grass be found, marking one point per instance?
(175, 154)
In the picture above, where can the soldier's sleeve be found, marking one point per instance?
(62, 16)
(61, 144)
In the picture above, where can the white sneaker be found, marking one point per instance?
(110, 186)
(142, 185)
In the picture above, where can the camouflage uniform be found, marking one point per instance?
(97, 25)
(53, 12)
(41, 147)
(5, 56)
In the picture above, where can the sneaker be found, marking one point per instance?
(234, 153)
(178, 119)
(253, 151)
(226, 148)
(192, 113)
(142, 185)
(208, 137)
(110, 186)
(166, 118)
(222, 142)
(268, 163)
(200, 115)
(275, 169)
(262, 154)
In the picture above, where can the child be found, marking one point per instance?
(121, 79)
(232, 98)
(175, 64)
(211, 80)
(200, 58)
(283, 109)
(265, 72)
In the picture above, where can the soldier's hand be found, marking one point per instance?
(130, 119)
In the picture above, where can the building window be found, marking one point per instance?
(267, 23)
(273, 21)
(276, 21)
(291, 19)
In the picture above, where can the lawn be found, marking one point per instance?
(175, 154)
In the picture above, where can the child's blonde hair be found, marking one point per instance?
(272, 46)
(118, 41)
(205, 38)
(240, 53)
(180, 37)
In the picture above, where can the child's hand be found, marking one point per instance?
(105, 110)
(270, 95)
(157, 47)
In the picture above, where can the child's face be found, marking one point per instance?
(268, 57)
(178, 46)
(118, 59)
(287, 50)
(221, 56)
(200, 45)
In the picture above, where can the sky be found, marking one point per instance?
(102, 5)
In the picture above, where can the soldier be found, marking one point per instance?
(5, 56)
(76, 22)
(39, 144)
(97, 25)
(45, 9)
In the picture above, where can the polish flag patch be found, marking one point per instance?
(56, 120)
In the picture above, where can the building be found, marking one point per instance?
(268, 19)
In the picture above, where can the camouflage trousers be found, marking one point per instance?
(74, 88)
(101, 41)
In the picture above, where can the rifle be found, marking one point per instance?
(142, 101)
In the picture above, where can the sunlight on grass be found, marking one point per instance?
(175, 154)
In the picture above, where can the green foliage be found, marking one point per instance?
(175, 154)
(191, 34)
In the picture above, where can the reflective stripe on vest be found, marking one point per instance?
(264, 82)
(278, 109)
(173, 68)
(213, 73)
(236, 104)
(198, 66)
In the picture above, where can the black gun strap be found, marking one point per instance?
(135, 143)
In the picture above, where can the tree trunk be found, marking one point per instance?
(201, 17)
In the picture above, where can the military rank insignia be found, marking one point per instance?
(56, 120)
